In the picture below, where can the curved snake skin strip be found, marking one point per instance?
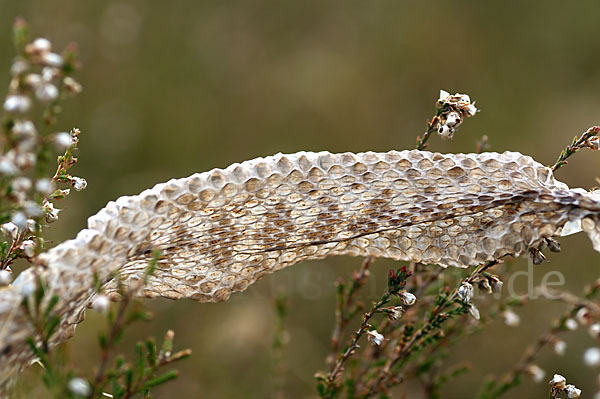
(220, 231)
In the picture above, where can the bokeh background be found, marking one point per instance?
(176, 87)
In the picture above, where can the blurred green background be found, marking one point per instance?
(176, 87)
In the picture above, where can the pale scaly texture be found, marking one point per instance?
(220, 231)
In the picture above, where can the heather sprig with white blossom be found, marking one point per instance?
(30, 189)
(40, 81)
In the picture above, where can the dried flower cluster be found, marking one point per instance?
(558, 384)
(451, 111)
(455, 108)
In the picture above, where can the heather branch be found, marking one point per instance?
(589, 139)
(437, 316)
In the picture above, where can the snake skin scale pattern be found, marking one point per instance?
(222, 230)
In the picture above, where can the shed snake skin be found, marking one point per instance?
(220, 231)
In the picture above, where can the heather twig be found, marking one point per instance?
(589, 139)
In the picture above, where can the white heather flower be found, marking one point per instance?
(558, 381)
(571, 324)
(79, 183)
(594, 330)
(72, 85)
(101, 304)
(471, 109)
(20, 219)
(21, 184)
(7, 166)
(44, 186)
(374, 337)
(41, 44)
(560, 347)
(394, 312)
(31, 225)
(51, 211)
(511, 319)
(17, 103)
(49, 73)
(443, 96)
(46, 92)
(24, 129)
(10, 229)
(453, 119)
(582, 315)
(27, 288)
(536, 373)
(33, 80)
(18, 67)
(497, 286)
(474, 312)
(32, 209)
(52, 59)
(465, 292)
(28, 248)
(80, 387)
(591, 357)
(62, 141)
(445, 131)
(407, 298)
(572, 391)
(25, 160)
(5, 277)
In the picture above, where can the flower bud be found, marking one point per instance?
(474, 312)
(52, 59)
(79, 387)
(62, 141)
(79, 183)
(18, 67)
(511, 319)
(20, 220)
(40, 45)
(465, 292)
(101, 304)
(10, 229)
(407, 298)
(44, 186)
(21, 184)
(594, 330)
(394, 312)
(453, 119)
(23, 129)
(572, 391)
(28, 248)
(560, 347)
(536, 373)
(46, 92)
(5, 277)
(375, 338)
(591, 357)
(17, 103)
(571, 324)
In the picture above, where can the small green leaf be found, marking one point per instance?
(168, 376)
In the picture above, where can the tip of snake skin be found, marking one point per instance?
(591, 225)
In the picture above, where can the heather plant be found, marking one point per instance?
(41, 80)
(427, 310)
(403, 335)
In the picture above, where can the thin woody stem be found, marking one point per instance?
(576, 145)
